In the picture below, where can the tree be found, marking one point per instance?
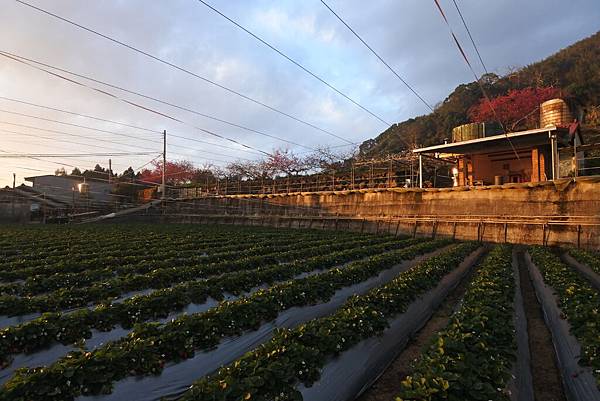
(515, 110)
(60, 171)
(128, 174)
(326, 159)
(176, 173)
(76, 172)
(285, 162)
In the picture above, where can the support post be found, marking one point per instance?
(13, 197)
(164, 165)
(420, 171)
(555, 157)
(576, 166)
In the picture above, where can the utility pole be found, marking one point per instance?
(164, 165)
(109, 169)
(14, 196)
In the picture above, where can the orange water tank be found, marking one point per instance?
(555, 112)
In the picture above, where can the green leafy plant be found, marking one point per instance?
(146, 350)
(273, 370)
(471, 359)
(579, 302)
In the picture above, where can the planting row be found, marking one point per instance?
(131, 254)
(136, 242)
(273, 370)
(156, 279)
(72, 327)
(590, 259)
(41, 283)
(577, 300)
(473, 356)
(150, 346)
(44, 241)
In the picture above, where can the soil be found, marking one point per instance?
(547, 384)
(387, 387)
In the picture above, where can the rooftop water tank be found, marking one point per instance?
(470, 131)
(555, 112)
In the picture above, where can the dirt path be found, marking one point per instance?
(547, 384)
(386, 388)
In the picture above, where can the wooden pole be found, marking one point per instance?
(164, 165)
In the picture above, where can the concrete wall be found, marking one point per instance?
(561, 213)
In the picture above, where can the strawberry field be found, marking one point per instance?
(151, 312)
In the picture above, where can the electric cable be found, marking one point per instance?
(179, 68)
(295, 62)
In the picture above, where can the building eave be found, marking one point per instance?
(461, 147)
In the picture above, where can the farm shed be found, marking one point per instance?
(77, 191)
(535, 155)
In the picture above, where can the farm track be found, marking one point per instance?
(547, 384)
(387, 386)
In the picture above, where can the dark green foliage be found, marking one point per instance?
(471, 359)
(146, 350)
(577, 300)
(273, 370)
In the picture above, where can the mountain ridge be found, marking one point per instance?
(574, 69)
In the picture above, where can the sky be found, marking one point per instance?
(409, 34)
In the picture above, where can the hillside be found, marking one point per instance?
(575, 69)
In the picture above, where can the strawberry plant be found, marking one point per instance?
(471, 359)
(273, 370)
(591, 259)
(69, 328)
(154, 344)
(577, 300)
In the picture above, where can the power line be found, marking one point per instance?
(79, 114)
(112, 95)
(182, 69)
(54, 139)
(464, 55)
(295, 62)
(24, 60)
(379, 57)
(103, 140)
(78, 126)
(123, 124)
(470, 36)
(104, 131)
(55, 155)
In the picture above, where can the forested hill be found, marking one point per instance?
(574, 70)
